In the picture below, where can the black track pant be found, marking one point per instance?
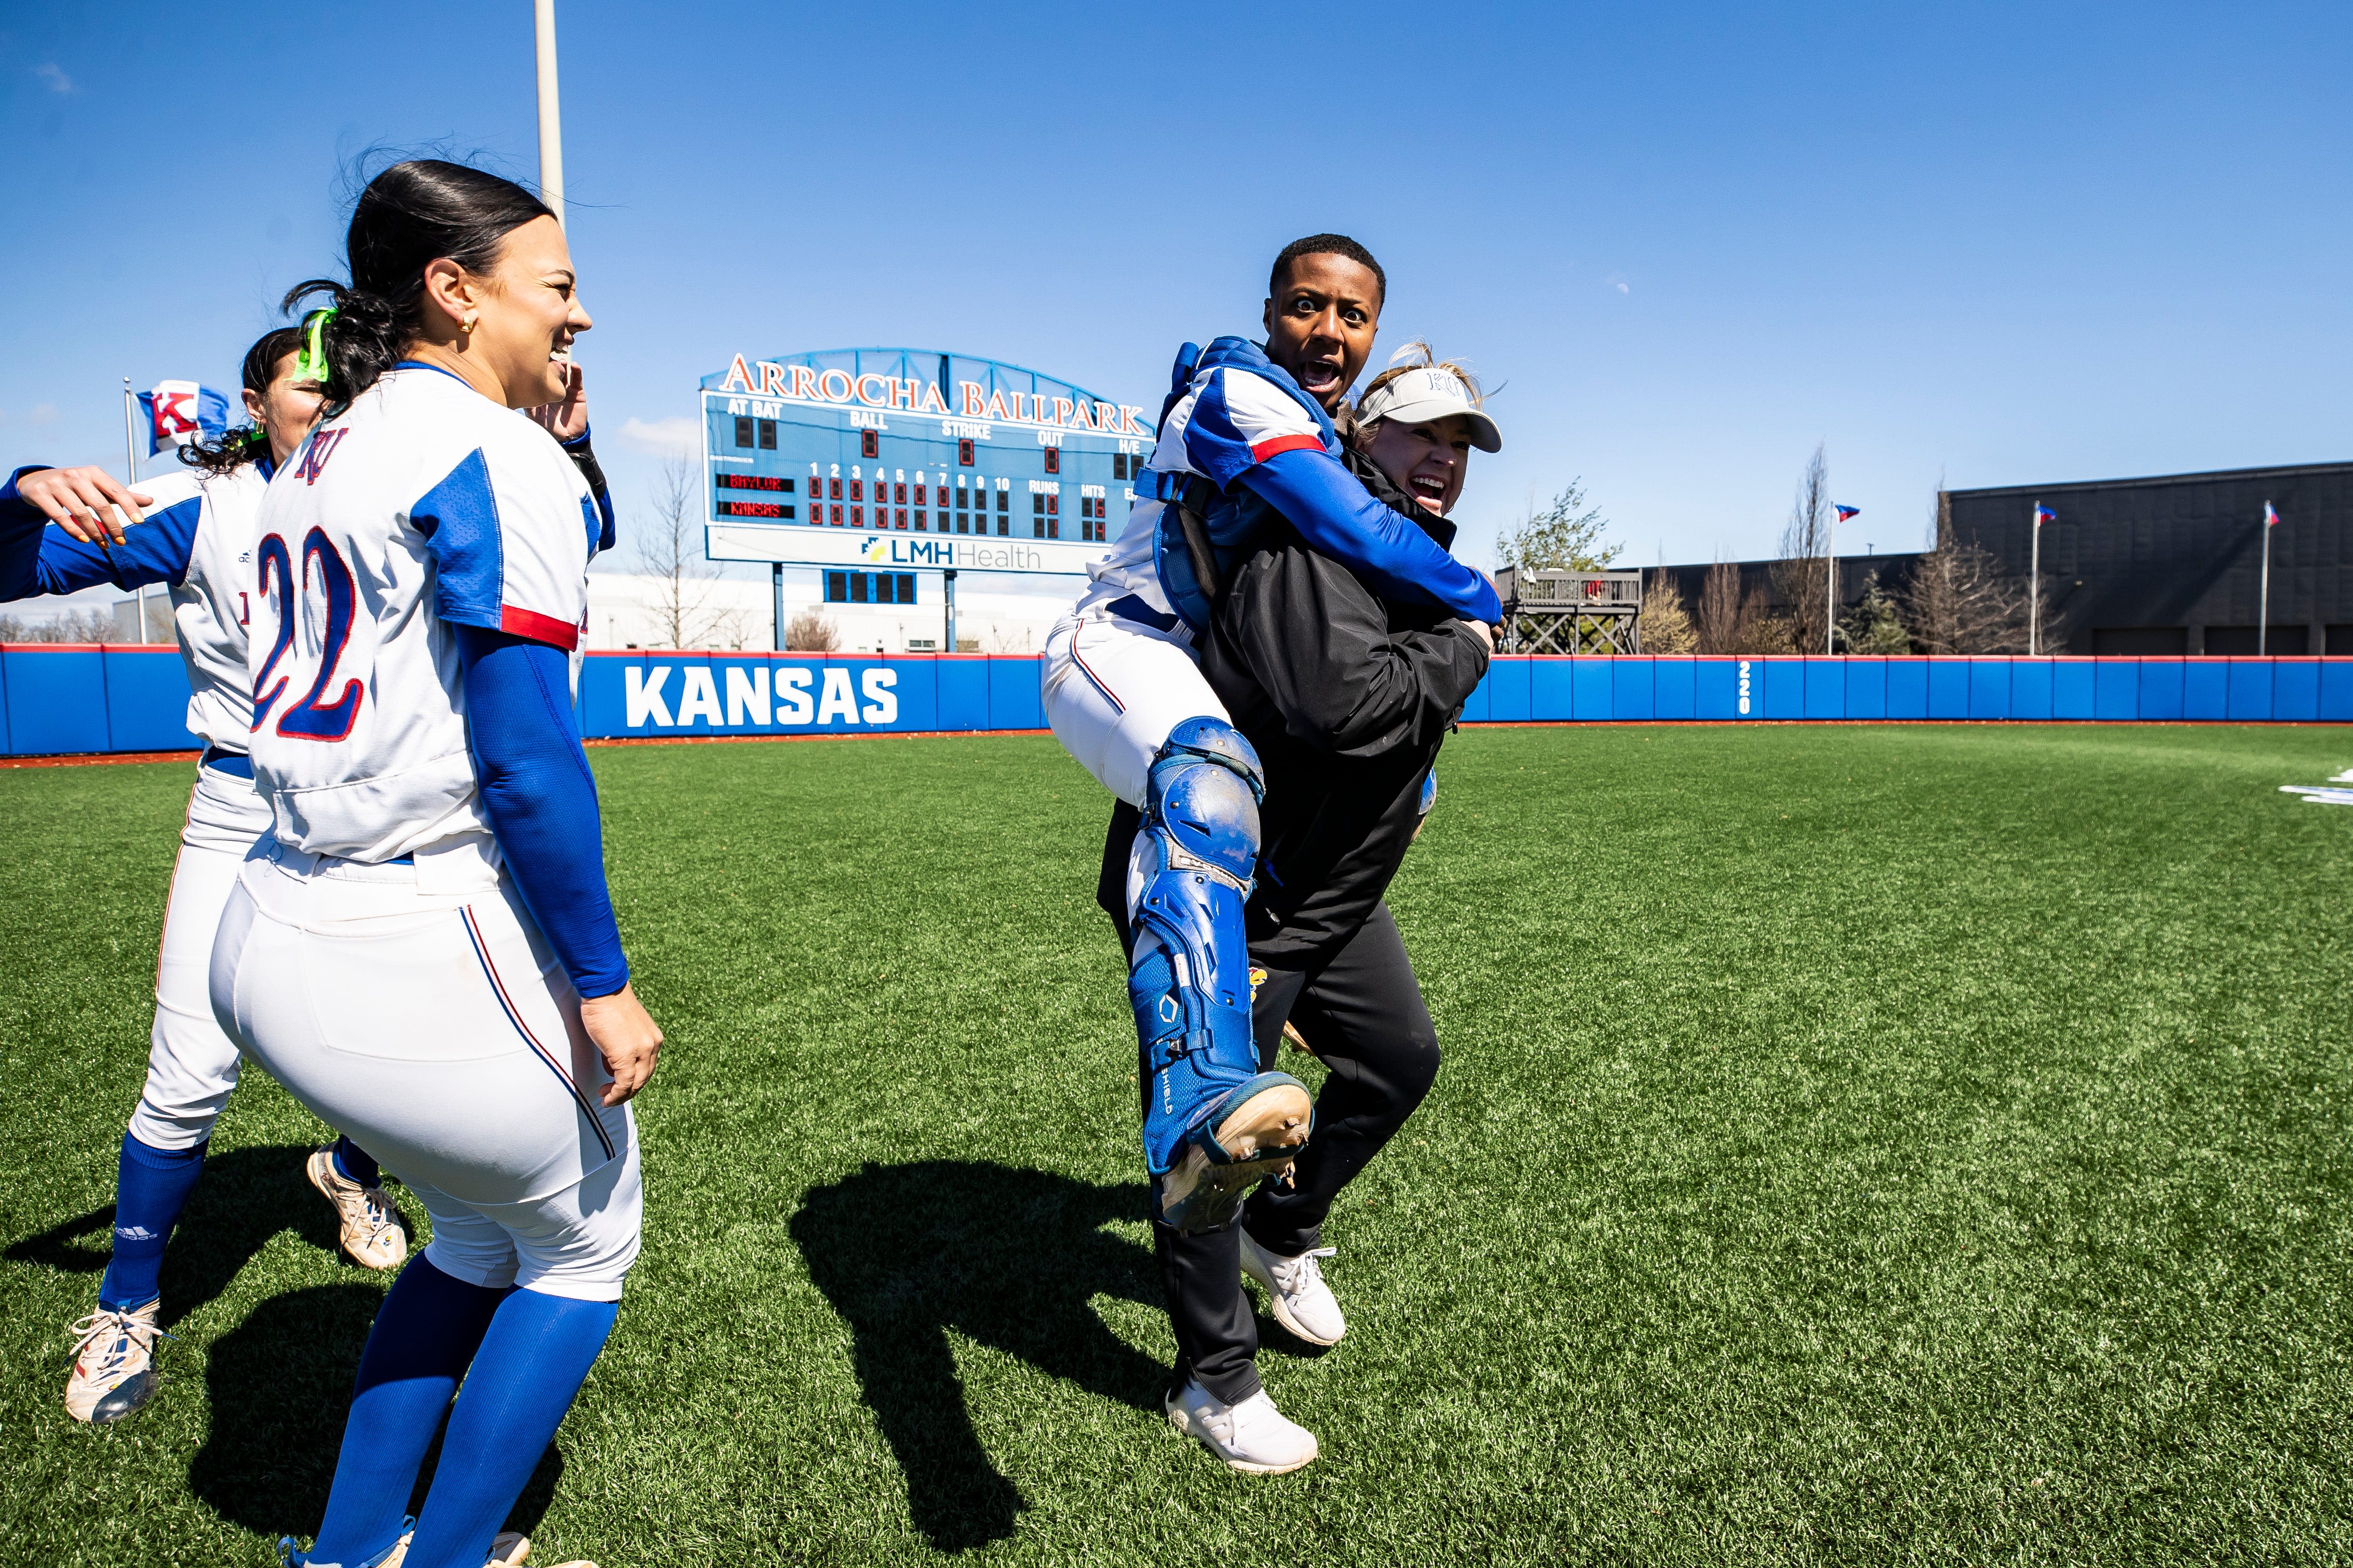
(1362, 1012)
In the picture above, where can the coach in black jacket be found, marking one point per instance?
(1347, 698)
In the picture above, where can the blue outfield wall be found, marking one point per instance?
(648, 694)
(73, 698)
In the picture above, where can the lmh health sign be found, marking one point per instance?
(912, 459)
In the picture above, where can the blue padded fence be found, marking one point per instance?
(63, 699)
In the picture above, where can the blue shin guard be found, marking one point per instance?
(1213, 1125)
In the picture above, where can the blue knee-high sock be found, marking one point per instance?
(534, 1359)
(151, 1188)
(355, 1164)
(425, 1337)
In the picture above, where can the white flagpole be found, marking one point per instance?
(1830, 585)
(131, 470)
(2035, 586)
(2263, 602)
(550, 118)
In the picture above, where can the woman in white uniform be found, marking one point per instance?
(426, 954)
(68, 529)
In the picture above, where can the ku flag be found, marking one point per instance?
(179, 412)
(2043, 514)
(2271, 517)
(1846, 513)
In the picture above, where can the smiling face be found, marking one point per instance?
(285, 409)
(530, 315)
(1429, 462)
(1320, 325)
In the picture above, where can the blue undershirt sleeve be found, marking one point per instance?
(541, 800)
(38, 557)
(1340, 519)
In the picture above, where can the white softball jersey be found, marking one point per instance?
(1241, 418)
(423, 507)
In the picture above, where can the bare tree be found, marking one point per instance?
(1801, 574)
(1961, 601)
(74, 627)
(1665, 626)
(1764, 629)
(1717, 622)
(669, 550)
(811, 631)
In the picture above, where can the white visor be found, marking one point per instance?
(1425, 396)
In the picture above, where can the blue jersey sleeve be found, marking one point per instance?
(1339, 517)
(541, 800)
(38, 557)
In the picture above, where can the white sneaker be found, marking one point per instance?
(509, 1549)
(1253, 1436)
(368, 1223)
(1296, 1289)
(114, 1368)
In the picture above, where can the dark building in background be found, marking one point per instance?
(2173, 566)
(2164, 565)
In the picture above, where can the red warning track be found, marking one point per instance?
(89, 760)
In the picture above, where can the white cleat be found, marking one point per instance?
(114, 1363)
(1296, 1289)
(509, 1549)
(1252, 1436)
(369, 1223)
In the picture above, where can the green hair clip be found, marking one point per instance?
(311, 357)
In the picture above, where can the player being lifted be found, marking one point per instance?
(426, 956)
(67, 529)
(1244, 430)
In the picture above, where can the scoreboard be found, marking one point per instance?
(902, 460)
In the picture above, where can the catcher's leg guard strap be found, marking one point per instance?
(1190, 981)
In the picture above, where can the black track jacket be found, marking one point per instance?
(1347, 698)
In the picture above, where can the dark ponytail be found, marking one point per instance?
(246, 443)
(414, 213)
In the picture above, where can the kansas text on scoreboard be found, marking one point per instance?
(910, 458)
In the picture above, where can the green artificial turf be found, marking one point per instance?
(1906, 1144)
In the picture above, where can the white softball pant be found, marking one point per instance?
(191, 1064)
(427, 1018)
(1112, 689)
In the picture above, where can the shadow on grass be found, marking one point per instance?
(1012, 1258)
(280, 1385)
(244, 1197)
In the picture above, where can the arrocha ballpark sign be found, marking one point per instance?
(911, 459)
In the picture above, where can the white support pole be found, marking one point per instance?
(777, 588)
(550, 117)
(2035, 582)
(130, 477)
(948, 595)
(2264, 600)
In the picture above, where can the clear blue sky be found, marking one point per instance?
(1997, 243)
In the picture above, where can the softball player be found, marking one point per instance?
(195, 540)
(425, 952)
(1246, 433)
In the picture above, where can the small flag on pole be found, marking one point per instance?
(2043, 514)
(2271, 517)
(1846, 513)
(179, 412)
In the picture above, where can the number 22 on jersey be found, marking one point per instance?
(315, 716)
